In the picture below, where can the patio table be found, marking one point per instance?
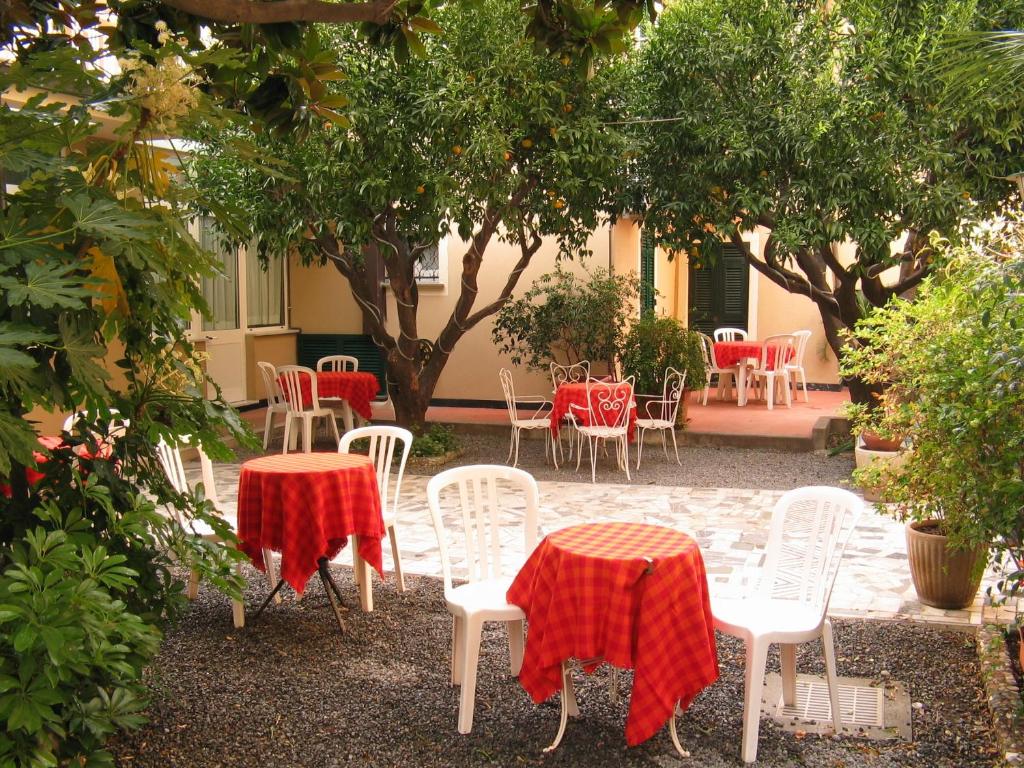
(305, 506)
(356, 388)
(730, 353)
(575, 393)
(629, 594)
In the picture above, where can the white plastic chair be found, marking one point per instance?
(711, 367)
(383, 442)
(170, 461)
(771, 367)
(275, 400)
(796, 364)
(116, 426)
(473, 496)
(292, 375)
(540, 418)
(661, 414)
(730, 334)
(809, 529)
(605, 417)
(338, 363)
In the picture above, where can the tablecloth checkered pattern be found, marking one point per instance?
(357, 387)
(587, 594)
(730, 353)
(576, 393)
(305, 506)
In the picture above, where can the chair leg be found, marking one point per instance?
(470, 658)
(803, 380)
(675, 446)
(624, 441)
(787, 654)
(515, 441)
(516, 641)
(267, 425)
(289, 438)
(511, 445)
(334, 425)
(399, 576)
(639, 446)
(365, 580)
(271, 566)
(237, 606)
(664, 442)
(458, 645)
(753, 683)
(769, 388)
(830, 675)
(593, 458)
(307, 433)
(192, 590)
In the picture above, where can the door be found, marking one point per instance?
(223, 333)
(719, 292)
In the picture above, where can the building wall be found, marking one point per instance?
(275, 348)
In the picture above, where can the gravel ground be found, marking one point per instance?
(702, 467)
(291, 691)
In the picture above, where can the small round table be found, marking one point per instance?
(629, 594)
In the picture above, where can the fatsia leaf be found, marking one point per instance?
(104, 218)
(83, 356)
(17, 441)
(15, 334)
(46, 285)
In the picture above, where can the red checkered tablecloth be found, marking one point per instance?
(357, 387)
(730, 353)
(587, 594)
(305, 506)
(576, 393)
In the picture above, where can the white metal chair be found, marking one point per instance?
(338, 363)
(660, 415)
(796, 364)
(730, 334)
(771, 369)
(382, 451)
(275, 400)
(605, 417)
(170, 461)
(291, 377)
(809, 529)
(711, 367)
(479, 497)
(539, 419)
(577, 373)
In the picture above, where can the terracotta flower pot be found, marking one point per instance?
(943, 577)
(866, 457)
(873, 442)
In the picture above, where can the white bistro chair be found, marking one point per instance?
(730, 334)
(605, 417)
(340, 363)
(170, 461)
(809, 529)
(796, 364)
(292, 376)
(478, 497)
(711, 367)
(275, 400)
(540, 418)
(577, 373)
(660, 415)
(389, 450)
(771, 369)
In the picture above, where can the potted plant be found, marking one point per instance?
(876, 455)
(655, 343)
(951, 363)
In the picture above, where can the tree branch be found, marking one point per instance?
(249, 12)
(784, 278)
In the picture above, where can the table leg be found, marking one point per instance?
(741, 384)
(266, 602)
(346, 416)
(362, 570)
(674, 734)
(333, 593)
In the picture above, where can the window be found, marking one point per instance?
(264, 291)
(220, 291)
(428, 266)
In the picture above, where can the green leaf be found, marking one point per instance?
(83, 355)
(105, 218)
(47, 285)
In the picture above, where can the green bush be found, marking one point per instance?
(437, 441)
(655, 343)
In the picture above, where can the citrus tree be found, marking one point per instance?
(820, 123)
(484, 135)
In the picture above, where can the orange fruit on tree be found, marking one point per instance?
(507, 155)
(527, 143)
(559, 203)
(457, 150)
(567, 108)
(420, 189)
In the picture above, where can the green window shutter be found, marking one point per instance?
(313, 346)
(646, 272)
(719, 291)
(733, 268)
(702, 300)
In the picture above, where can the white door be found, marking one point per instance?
(223, 333)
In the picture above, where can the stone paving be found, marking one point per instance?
(730, 524)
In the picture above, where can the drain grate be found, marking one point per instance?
(869, 708)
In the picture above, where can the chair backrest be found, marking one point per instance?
(290, 377)
(777, 351)
(338, 363)
(269, 374)
(170, 459)
(570, 374)
(671, 394)
(609, 404)
(730, 334)
(483, 500)
(802, 337)
(809, 530)
(505, 377)
(383, 441)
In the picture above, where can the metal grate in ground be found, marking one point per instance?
(870, 708)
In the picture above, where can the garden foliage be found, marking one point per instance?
(654, 344)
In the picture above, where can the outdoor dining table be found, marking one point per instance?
(575, 393)
(356, 388)
(730, 353)
(630, 594)
(305, 506)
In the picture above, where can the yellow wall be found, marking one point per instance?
(277, 349)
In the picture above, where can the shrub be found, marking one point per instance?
(437, 441)
(655, 343)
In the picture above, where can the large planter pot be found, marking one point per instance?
(943, 577)
(866, 457)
